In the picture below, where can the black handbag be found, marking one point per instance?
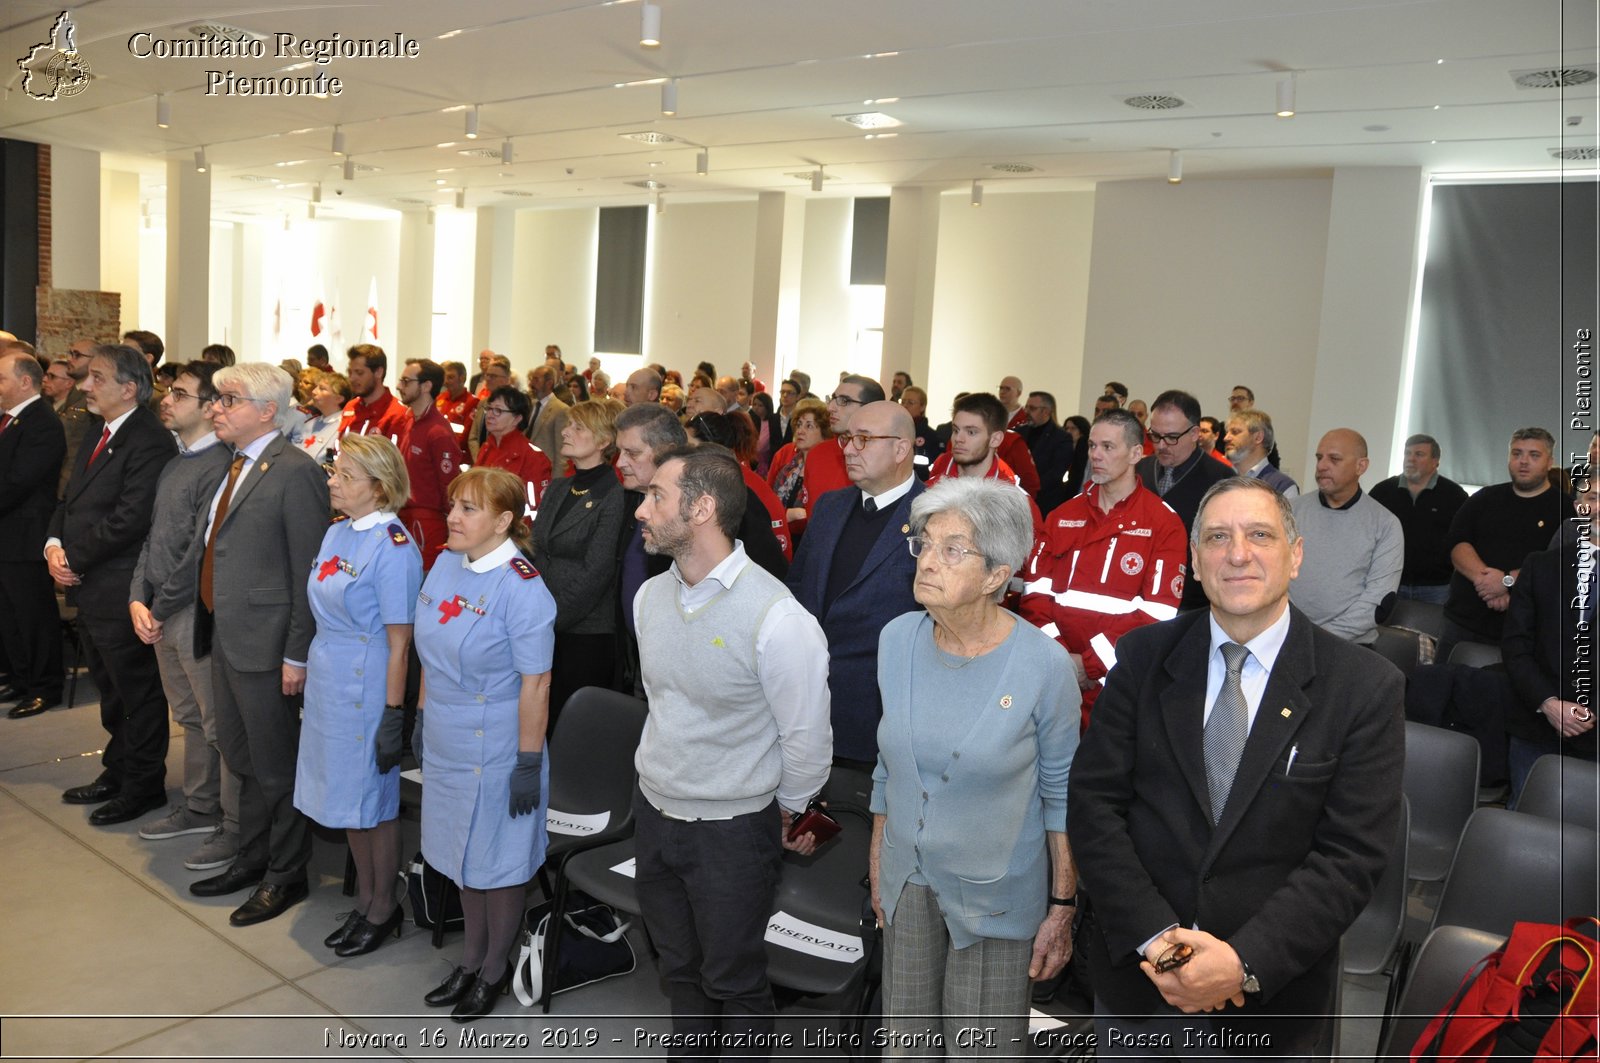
(423, 886)
(594, 947)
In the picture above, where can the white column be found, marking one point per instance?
(413, 318)
(492, 294)
(908, 280)
(188, 256)
(775, 291)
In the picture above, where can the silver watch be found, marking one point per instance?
(1251, 983)
(1508, 580)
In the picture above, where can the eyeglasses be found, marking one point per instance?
(837, 399)
(178, 394)
(227, 399)
(495, 409)
(949, 553)
(860, 439)
(1173, 957)
(1171, 438)
(412, 380)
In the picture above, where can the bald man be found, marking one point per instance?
(1010, 395)
(853, 571)
(704, 400)
(1355, 549)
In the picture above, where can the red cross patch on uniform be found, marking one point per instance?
(523, 567)
(1132, 564)
(397, 535)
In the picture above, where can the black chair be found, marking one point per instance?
(1511, 866)
(1370, 942)
(1475, 654)
(1398, 647)
(591, 792)
(1446, 957)
(1417, 616)
(593, 871)
(1563, 788)
(1441, 784)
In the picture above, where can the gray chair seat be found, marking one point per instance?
(1441, 783)
(1563, 788)
(1511, 866)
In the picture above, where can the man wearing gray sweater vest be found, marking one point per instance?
(1355, 548)
(737, 742)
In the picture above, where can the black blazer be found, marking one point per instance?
(574, 548)
(1184, 500)
(104, 515)
(1545, 653)
(1298, 850)
(31, 451)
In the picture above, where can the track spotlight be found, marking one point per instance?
(338, 141)
(505, 152)
(1286, 97)
(316, 192)
(349, 168)
(461, 199)
(472, 123)
(1174, 167)
(977, 193)
(650, 25)
(200, 160)
(163, 111)
(816, 179)
(669, 97)
(702, 162)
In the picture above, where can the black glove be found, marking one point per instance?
(525, 783)
(390, 740)
(416, 738)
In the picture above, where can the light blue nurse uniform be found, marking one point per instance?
(364, 578)
(478, 633)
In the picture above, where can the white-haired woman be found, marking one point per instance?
(971, 874)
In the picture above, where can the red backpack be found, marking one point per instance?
(1536, 998)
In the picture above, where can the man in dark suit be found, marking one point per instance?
(853, 571)
(1180, 471)
(256, 541)
(1548, 644)
(1235, 796)
(32, 446)
(95, 538)
(1050, 446)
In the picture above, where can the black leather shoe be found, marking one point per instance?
(367, 935)
(123, 807)
(450, 991)
(482, 997)
(270, 900)
(233, 880)
(13, 693)
(33, 707)
(351, 921)
(90, 793)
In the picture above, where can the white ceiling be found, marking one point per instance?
(1040, 82)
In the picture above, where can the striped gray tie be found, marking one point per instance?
(1226, 730)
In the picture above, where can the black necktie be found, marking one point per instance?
(870, 505)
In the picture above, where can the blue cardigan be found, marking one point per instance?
(980, 822)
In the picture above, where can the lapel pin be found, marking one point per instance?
(266, 465)
(1287, 714)
(1005, 702)
(905, 529)
(588, 505)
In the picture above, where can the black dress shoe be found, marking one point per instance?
(90, 793)
(367, 935)
(450, 991)
(482, 997)
(123, 807)
(233, 880)
(351, 921)
(13, 693)
(33, 707)
(270, 900)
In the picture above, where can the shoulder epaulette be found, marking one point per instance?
(339, 518)
(397, 535)
(523, 567)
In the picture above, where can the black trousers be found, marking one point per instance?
(580, 661)
(706, 891)
(30, 628)
(133, 705)
(258, 732)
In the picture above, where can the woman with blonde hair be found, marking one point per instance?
(486, 639)
(363, 592)
(574, 546)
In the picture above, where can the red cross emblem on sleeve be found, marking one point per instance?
(329, 567)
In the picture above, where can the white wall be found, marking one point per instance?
(552, 285)
(698, 309)
(74, 219)
(825, 323)
(1208, 284)
(1011, 295)
(119, 240)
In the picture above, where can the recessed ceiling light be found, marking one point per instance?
(869, 120)
(446, 144)
(1012, 167)
(880, 136)
(445, 36)
(881, 99)
(880, 55)
(445, 169)
(649, 136)
(637, 84)
(1376, 128)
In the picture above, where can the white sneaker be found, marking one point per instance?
(179, 821)
(218, 851)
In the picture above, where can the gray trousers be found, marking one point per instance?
(941, 1002)
(208, 786)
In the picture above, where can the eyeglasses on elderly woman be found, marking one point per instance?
(951, 554)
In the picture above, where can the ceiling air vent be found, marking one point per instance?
(481, 153)
(1588, 154)
(255, 179)
(412, 202)
(222, 29)
(651, 186)
(1556, 77)
(516, 192)
(366, 167)
(805, 175)
(1012, 167)
(650, 136)
(1154, 101)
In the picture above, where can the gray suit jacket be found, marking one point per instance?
(264, 549)
(546, 432)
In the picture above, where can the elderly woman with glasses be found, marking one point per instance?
(505, 417)
(809, 423)
(972, 878)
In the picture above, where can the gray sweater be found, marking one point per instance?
(1353, 560)
(163, 579)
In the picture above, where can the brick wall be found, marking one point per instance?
(66, 316)
(45, 212)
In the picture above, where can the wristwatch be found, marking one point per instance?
(1251, 983)
(1508, 580)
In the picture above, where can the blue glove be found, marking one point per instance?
(525, 783)
(391, 730)
(416, 738)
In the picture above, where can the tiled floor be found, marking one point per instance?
(104, 955)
